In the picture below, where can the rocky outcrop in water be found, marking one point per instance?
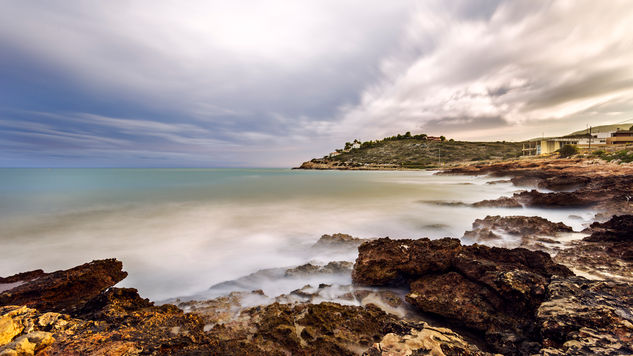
(575, 182)
(503, 202)
(490, 227)
(616, 235)
(491, 291)
(330, 268)
(117, 321)
(617, 229)
(338, 240)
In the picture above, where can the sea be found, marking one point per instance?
(181, 231)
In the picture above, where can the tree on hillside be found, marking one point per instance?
(442, 138)
(407, 134)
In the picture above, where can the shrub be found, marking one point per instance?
(568, 150)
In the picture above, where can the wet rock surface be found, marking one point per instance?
(595, 260)
(584, 317)
(424, 340)
(491, 226)
(617, 229)
(338, 240)
(309, 268)
(606, 254)
(329, 329)
(503, 202)
(574, 182)
(492, 291)
(386, 262)
(117, 321)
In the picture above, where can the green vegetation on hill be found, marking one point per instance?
(620, 156)
(568, 151)
(418, 151)
(603, 128)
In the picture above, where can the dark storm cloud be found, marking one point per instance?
(586, 85)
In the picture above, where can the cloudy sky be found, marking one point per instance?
(272, 83)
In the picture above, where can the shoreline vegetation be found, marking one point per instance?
(551, 296)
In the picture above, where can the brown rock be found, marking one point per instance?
(599, 260)
(576, 182)
(385, 262)
(453, 296)
(23, 277)
(617, 229)
(520, 276)
(583, 317)
(66, 291)
(555, 200)
(486, 228)
(309, 268)
(428, 341)
(503, 202)
(338, 241)
(113, 304)
(494, 291)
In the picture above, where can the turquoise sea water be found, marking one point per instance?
(179, 231)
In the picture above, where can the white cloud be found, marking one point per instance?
(531, 60)
(231, 56)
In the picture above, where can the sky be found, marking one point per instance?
(271, 83)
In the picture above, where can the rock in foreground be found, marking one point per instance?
(491, 291)
(117, 321)
(583, 317)
(62, 291)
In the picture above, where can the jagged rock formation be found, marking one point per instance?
(524, 226)
(338, 240)
(117, 321)
(62, 291)
(491, 291)
(584, 317)
(309, 268)
(575, 183)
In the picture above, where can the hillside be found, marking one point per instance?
(414, 152)
(603, 128)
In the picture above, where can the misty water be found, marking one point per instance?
(181, 231)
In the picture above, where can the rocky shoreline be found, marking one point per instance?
(322, 164)
(550, 296)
